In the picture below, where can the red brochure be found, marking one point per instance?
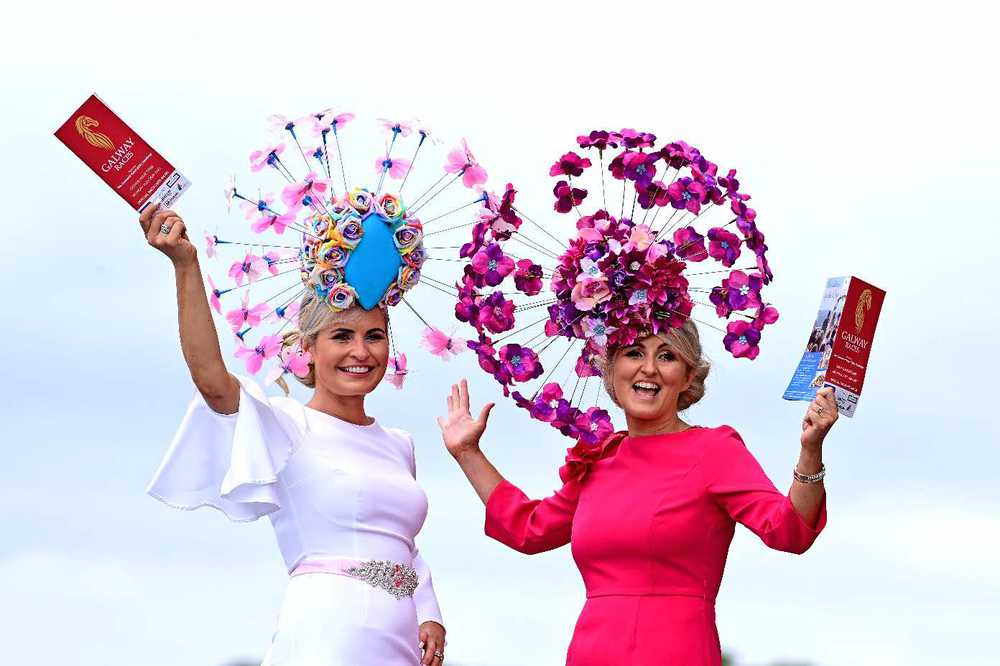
(116, 153)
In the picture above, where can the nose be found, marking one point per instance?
(649, 365)
(359, 350)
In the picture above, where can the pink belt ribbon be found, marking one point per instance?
(399, 580)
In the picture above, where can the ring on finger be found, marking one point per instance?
(164, 228)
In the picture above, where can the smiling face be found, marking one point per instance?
(647, 379)
(351, 354)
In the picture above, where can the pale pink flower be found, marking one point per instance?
(461, 160)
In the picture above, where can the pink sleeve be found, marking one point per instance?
(531, 526)
(736, 482)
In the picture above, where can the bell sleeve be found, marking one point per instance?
(739, 486)
(229, 461)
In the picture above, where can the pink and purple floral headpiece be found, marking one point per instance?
(615, 279)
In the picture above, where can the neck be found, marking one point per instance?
(661, 426)
(350, 408)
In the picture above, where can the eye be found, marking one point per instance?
(375, 337)
(633, 353)
(667, 356)
(341, 336)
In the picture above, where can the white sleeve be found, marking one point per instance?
(423, 597)
(229, 461)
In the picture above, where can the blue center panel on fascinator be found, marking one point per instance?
(375, 262)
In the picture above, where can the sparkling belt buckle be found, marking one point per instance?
(399, 580)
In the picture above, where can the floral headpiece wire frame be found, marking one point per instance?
(616, 278)
(359, 244)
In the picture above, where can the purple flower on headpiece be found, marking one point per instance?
(723, 246)
(730, 183)
(407, 237)
(569, 164)
(467, 310)
(492, 264)
(351, 231)
(738, 292)
(678, 154)
(654, 194)
(496, 313)
(520, 362)
(415, 258)
(594, 425)
(690, 244)
(741, 340)
(477, 242)
(745, 217)
(596, 330)
(686, 193)
(528, 277)
(639, 167)
(485, 353)
(634, 139)
(599, 139)
(567, 197)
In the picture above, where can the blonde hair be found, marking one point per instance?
(314, 317)
(683, 341)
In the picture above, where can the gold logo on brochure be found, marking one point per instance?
(85, 127)
(864, 304)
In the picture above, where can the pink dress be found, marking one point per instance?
(650, 520)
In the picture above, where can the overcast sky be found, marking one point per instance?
(865, 132)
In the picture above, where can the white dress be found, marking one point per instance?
(332, 490)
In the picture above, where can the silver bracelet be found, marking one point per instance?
(809, 478)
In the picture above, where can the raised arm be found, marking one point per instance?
(165, 231)
(461, 435)
(807, 498)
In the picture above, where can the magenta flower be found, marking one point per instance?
(730, 183)
(492, 264)
(520, 362)
(633, 139)
(496, 313)
(738, 292)
(305, 193)
(569, 164)
(461, 160)
(251, 268)
(567, 197)
(477, 242)
(267, 348)
(678, 154)
(593, 425)
(599, 139)
(741, 340)
(686, 193)
(690, 244)
(723, 246)
(588, 293)
(655, 194)
(528, 277)
(766, 316)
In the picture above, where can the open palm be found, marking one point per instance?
(460, 431)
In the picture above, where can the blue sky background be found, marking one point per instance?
(865, 132)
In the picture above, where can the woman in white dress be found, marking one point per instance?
(338, 487)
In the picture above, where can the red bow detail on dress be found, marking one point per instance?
(580, 458)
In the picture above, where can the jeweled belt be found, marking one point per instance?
(399, 580)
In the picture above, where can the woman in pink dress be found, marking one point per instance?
(650, 512)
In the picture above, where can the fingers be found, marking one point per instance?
(146, 217)
(484, 415)
(433, 647)
(456, 399)
(463, 393)
(177, 230)
(441, 423)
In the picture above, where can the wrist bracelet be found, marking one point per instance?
(809, 478)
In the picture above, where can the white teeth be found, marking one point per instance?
(356, 369)
(646, 385)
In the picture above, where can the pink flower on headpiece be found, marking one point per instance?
(441, 345)
(340, 120)
(686, 193)
(274, 257)
(251, 208)
(396, 127)
(285, 312)
(739, 291)
(461, 160)
(290, 359)
(723, 246)
(250, 269)
(567, 197)
(245, 315)
(496, 313)
(633, 139)
(213, 300)
(305, 193)
(690, 244)
(639, 167)
(741, 340)
(267, 348)
(569, 164)
(269, 155)
(270, 221)
(596, 330)
(396, 167)
(528, 277)
(593, 425)
(654, 194)
(230, 192)
(280, 122)
(588, 293)
(599, 139)
(639, 239)
(766, 315)
(210, 241)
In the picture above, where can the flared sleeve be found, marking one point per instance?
(738, 484)
(230, 461)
